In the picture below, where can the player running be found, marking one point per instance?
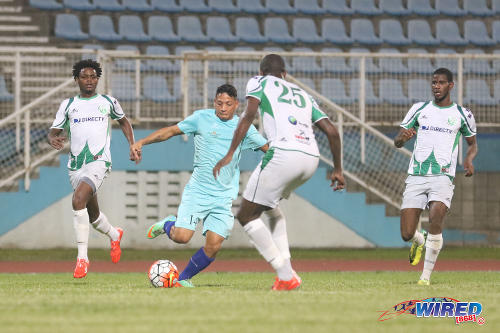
(86, 118)
(438, 126)
(205, 198)
(288, 114)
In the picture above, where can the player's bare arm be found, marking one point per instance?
(127, 130)
(245, 121)
(55, 138)
(403, 136)
(471, 154)
(331, 132)
(160, 135)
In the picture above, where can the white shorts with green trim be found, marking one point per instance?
(278, 174)
(420, 190)
(92, 174)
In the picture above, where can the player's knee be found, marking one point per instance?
(79, 201)
(406, 235)
(212, 249)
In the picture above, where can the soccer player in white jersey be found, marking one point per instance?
(86, 117)
(438, 126)
(288, 114)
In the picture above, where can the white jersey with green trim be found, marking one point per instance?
(89, 128)
(438, 133)
(287, 112)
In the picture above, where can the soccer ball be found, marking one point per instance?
(163, 274)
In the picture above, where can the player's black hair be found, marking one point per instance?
(272, 64)
(87, 63)
(228, 89)
(444, 71)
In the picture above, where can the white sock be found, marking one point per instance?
(277, 223)
(103, 226)
(432, 247)
(81, 225)
(262, 239)
(418, 237)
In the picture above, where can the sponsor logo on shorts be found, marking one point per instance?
(292, 120)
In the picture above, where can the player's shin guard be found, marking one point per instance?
(103, 226)
(81, 225)
(278, 226)
(198, 262)
(433, 246)
(262, 239)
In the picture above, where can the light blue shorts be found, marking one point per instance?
(215, 212)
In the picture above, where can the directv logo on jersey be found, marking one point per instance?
(462, 311)
(436, 129)
(87, 119)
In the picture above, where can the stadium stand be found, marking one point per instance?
(245, 66)
(336, 65)
(304, 30)
(252, 7)
(68, 26)
(475, 33)
(196, 66)
(160, 65)
(496, 63)
(477, 66)
(219, 66)
(195, 6)
(333, 31)
(451, 64)
(496, 93)
(276, 30)
(370, 66)
(419, 65)
(160, 29)
(419, 90)
(422, 7)
(137, 5)
(370, 98)
(109, 5)
(223, 6)
(392, 65)
(126, 64)
(247, 30)
(391, 32)
(334, 89)
(91, 47)
(450, 8)
(495, 7)
(131, 29)
(477, 92)
(362, 31)
(123, 87)
(167, 6)
(218, 30)
(477, 8)
(309, 7)
(5, 95)
(305, 64)
(391, 91)
(365, 7)
(155, 88)
(448, 33)
(46, 4)
(189, 29)
(419, 32)
(496, 31)
(337, 7)
(394, 7)
(280, 7)
(84, 5)
(307, 81)
(101, 27)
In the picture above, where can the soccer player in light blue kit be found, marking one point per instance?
(205, 198)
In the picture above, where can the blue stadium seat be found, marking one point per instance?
(307, 81)
(419, 90)
(495, 27)
(101, 27)
(167, 6)
(370, 66)
(495, 7)
(370, 98)
(450, 8)
(248, 66)
(130, 27)
(420, 65)
(333, 31)
(391, 32)
(137, 5)
(391, 91)
(335, 65)
(247, 30)
(496, 63)
(304, 29)
(334, 90)
(447, 32)
(496, 91)
(477, 92)
(252, 7)
(306, 64)
(123, 87)
(392, 65)
(155, 88)
(240, 83)
(194, 65)
(126, 64)
(362, 31)
(195, 6)
(189, 29)
(394, 7)
(160, 65)
(419, 32)
(219, 30)
(276, 30)
(475, 32)
(477, 8)
(451, 64)
(5, 95)
(477, 66)
(422, 7)
(365, 7)
(309, 7)
(213, 83)
(337, 7)
(79, 5)
(223, 6)
(68, 26)
(280, 7)
(220, 66)
(92, 56)
(109, 5)
(160, 29)
(46, 4)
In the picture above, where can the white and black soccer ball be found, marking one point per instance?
(163, 274)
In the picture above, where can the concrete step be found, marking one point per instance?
(23, 28)
(15, 18)
(11, 9)
(23, 39)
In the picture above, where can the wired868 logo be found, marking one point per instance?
(437, 307)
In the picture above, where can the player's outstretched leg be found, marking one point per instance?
(433, 246)
(417, 247)
(115, 235)
(81, 225)
(198, 262)
(162, 227)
